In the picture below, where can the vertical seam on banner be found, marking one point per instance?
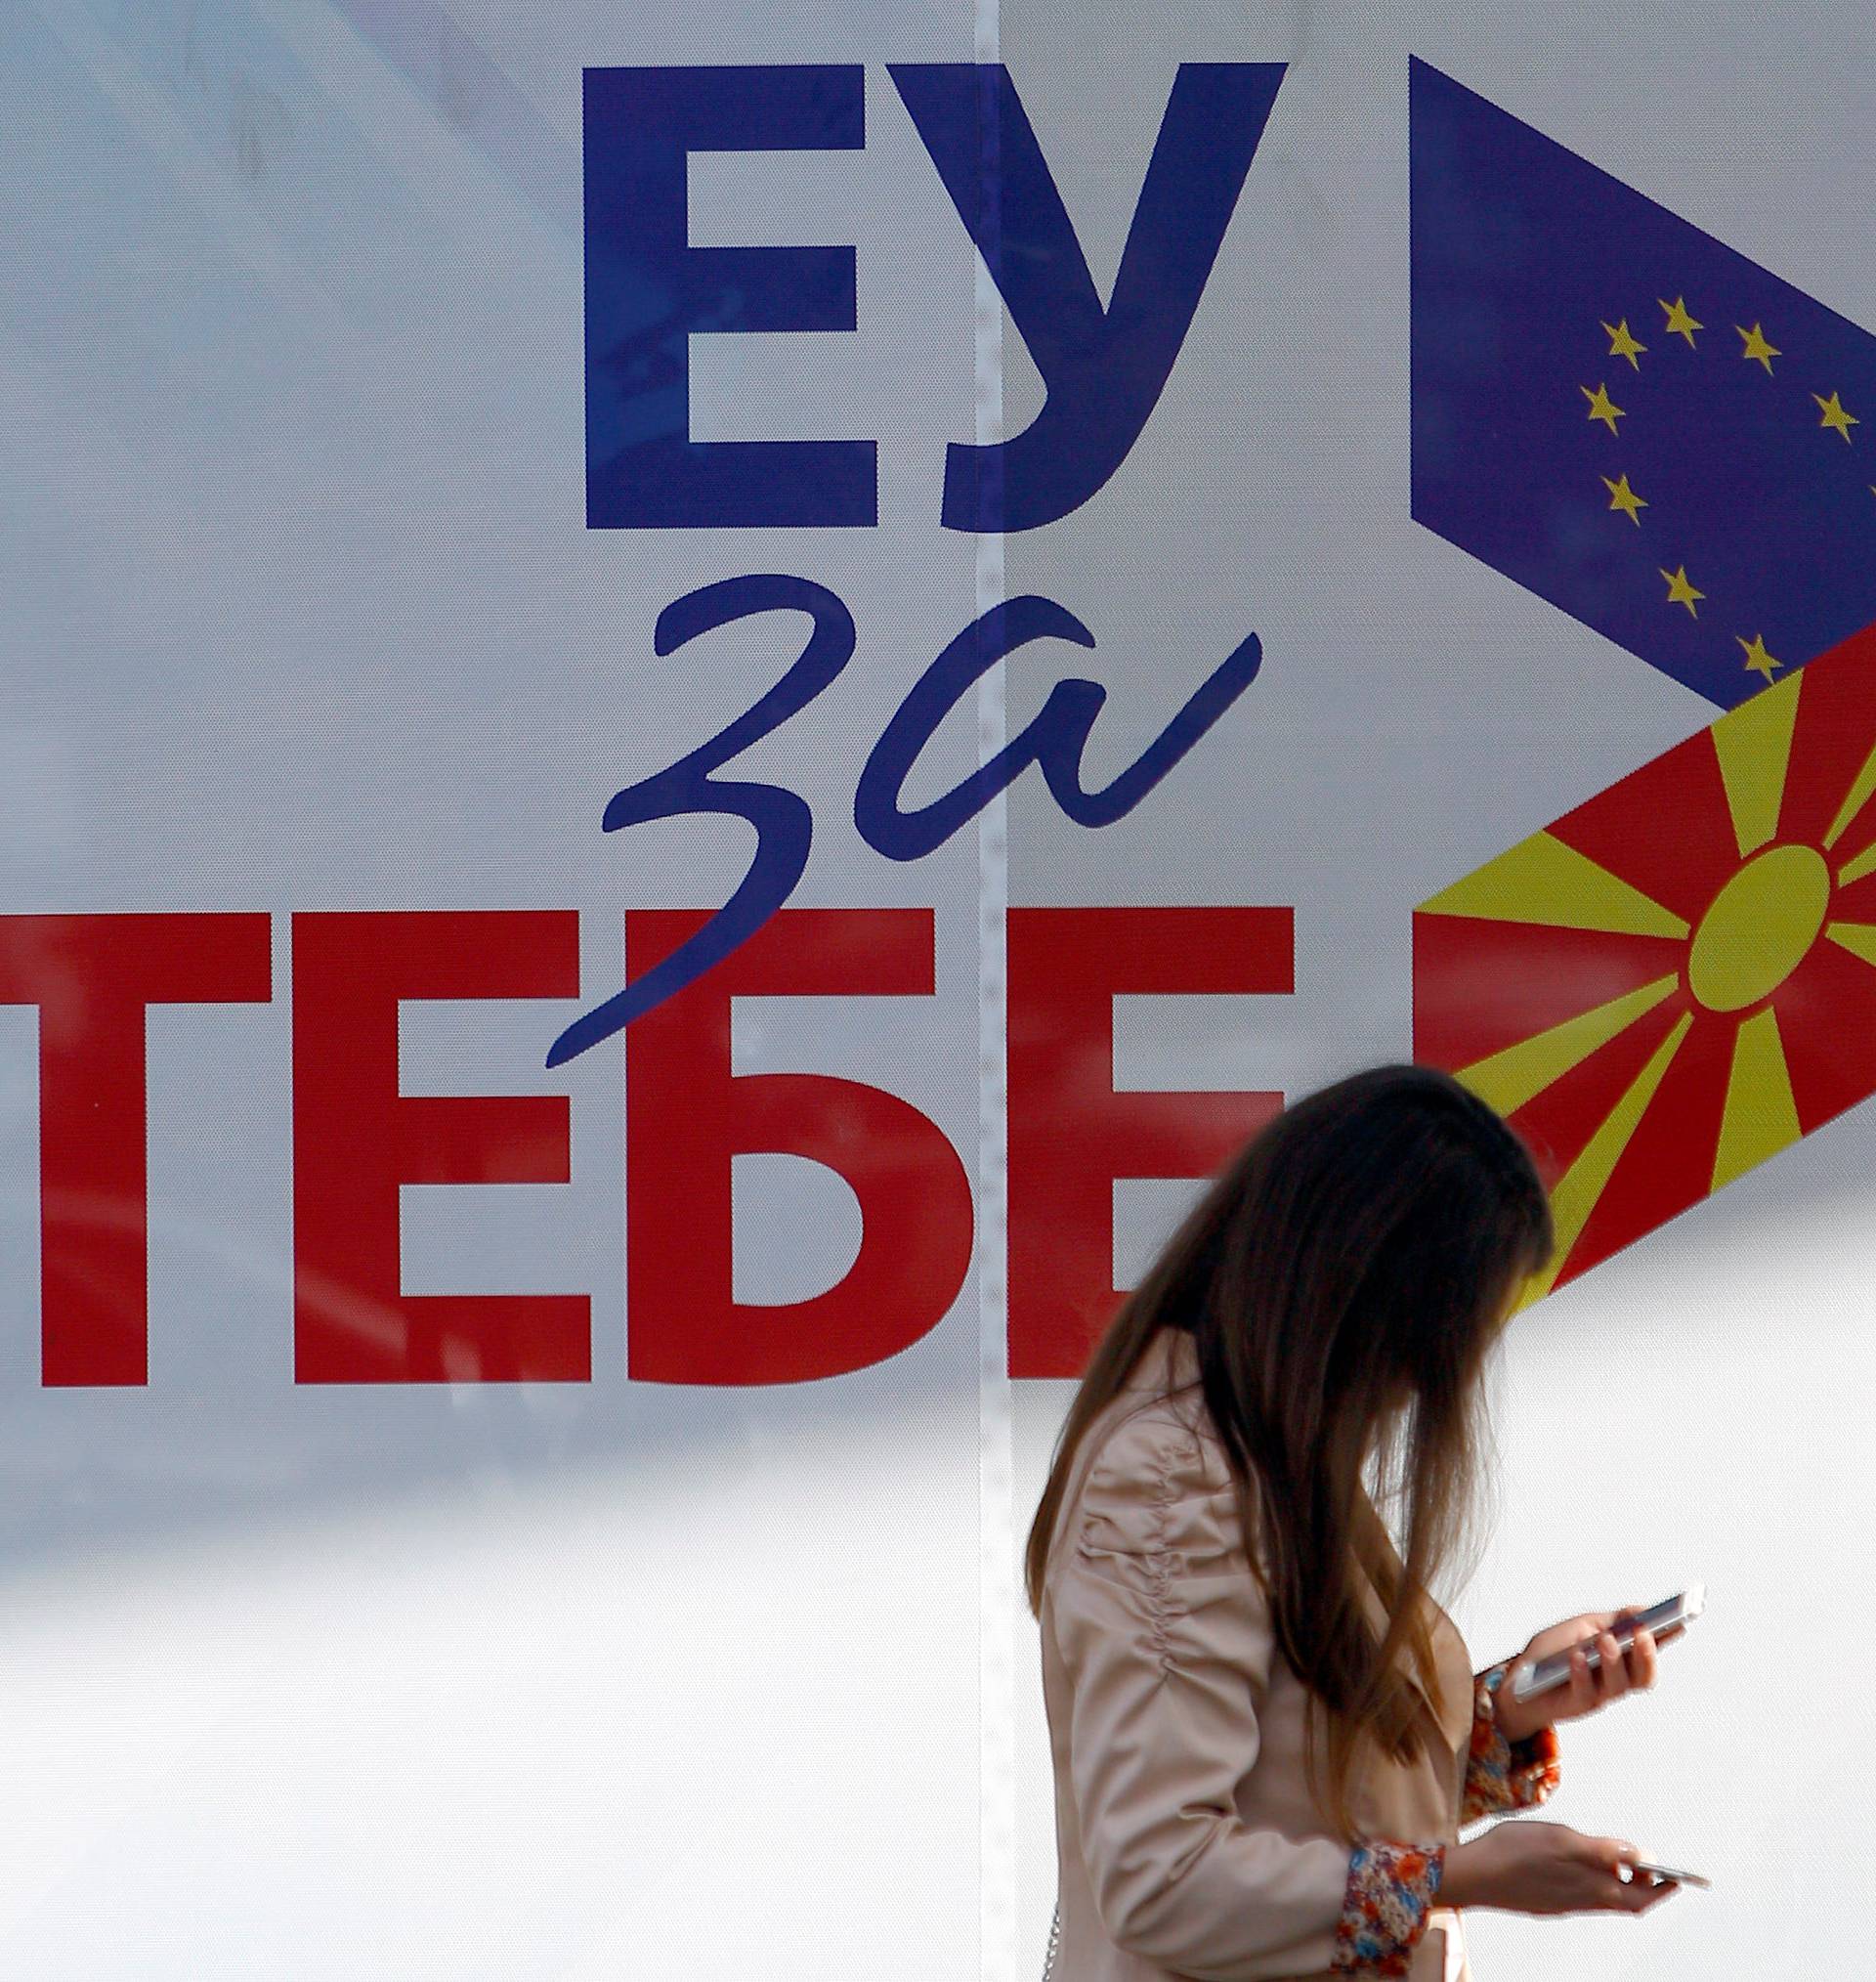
(997, 1525)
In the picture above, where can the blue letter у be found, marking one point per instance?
(1104, 369)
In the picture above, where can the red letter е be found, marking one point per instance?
(1071, 1135)
(356, 1140)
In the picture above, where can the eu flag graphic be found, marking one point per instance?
(1625, 416)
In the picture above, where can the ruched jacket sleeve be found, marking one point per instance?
(1168, 1640)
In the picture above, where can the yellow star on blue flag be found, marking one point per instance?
(1532, 270)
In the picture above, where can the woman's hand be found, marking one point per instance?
(1527, 1867)
(1588, 1687)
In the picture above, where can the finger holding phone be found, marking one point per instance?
(1571, 1669)
(1588, 1688)
(1533, 1867)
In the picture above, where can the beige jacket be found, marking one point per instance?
(1187, 1843)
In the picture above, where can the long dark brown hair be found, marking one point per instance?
(1343, 1282)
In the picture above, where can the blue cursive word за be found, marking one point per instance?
(1054, 740)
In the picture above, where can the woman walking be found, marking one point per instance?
(1265, 1732)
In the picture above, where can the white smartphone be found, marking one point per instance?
(1669, 1872)
(1679, 1609)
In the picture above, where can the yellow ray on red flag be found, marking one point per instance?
(1672, 982)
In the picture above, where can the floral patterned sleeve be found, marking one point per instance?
(1392, 1887)
(1384, 1913)
(1501, 1774)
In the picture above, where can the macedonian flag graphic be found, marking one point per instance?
(1675, 980)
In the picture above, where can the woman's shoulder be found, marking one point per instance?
(1154, 1479)
(1161, 1444)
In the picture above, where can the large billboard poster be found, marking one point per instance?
(695, 700)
